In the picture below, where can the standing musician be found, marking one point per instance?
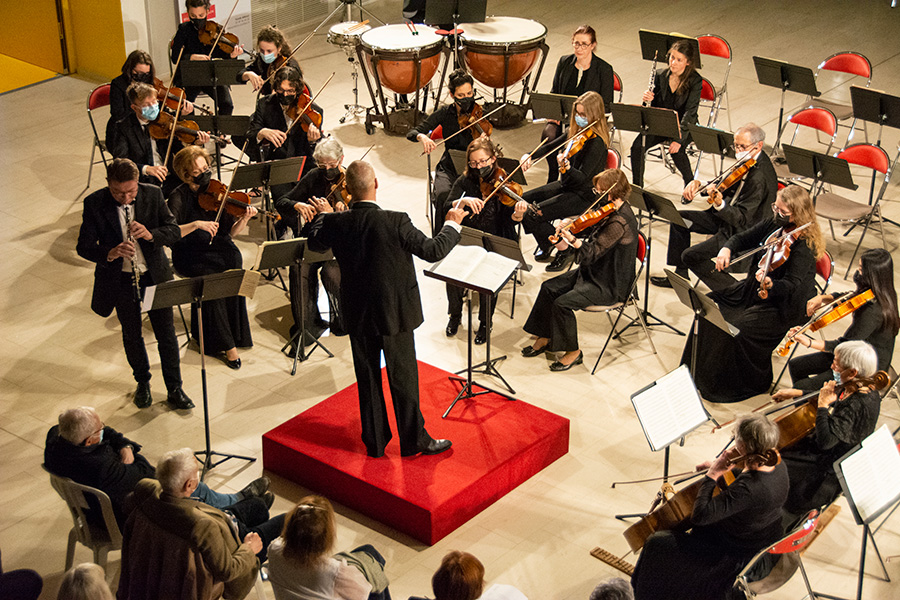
(207, 246)
(763, 307)
(576, 74)
(606, 253)
(579, 161)
(727, 529)
(677, 87)
(733, 210)
(187, 37)
(327, 181)
(462, 93)
(124, 228)
(875, 322)
(493, 216)
(272, 54)
(138, 67)
(842, 421)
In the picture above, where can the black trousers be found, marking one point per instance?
(303, 285)
(698, 258)
(553, 202)
(680, 158)
(551, 132)
(221, 94)
(443, 182)
(455, 295)
(810, 371)
(128, 312)
(252, 516)
(403, 379)
(553, 313)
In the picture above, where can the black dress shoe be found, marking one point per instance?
(558, 366)
(529, 351)
(179, 400)
(232, 364)
(431, 447)
(257, 487)
(561, 262)
(481, 335)
(142, 397)
(452, 325)
(269, 499)
(543, 256)
(660, 281)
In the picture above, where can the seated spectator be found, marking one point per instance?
(86, 581)
(461, 577)
(301, 566)
(176, 547)
(19, 584)
(83, 449)
(614, 588)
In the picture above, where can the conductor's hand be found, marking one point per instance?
(254, 541)
(690, 190)
(456, 215)
(526, 162)
(140, 232)
(159, 172)
(647, 97)
(786, 394)
(322, 205)
(723, 259)
(306, 211)
(275, 137)
(428, 144)
(123, 250)
(827, 395)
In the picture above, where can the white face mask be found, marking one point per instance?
(743, 155)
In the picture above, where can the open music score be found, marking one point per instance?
(473, 264)
(669, 408)
(870, 475)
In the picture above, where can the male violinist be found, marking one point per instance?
(734, 210)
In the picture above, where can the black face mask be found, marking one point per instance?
(859, 280)
(203, 179)
(332, 173)
(486, 171)
(142, 77)
(286, 99)
(466, 104)
(199, 23)
(781, 220)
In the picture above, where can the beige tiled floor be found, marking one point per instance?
(56, 353)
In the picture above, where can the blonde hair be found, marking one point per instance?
(86, 581)
(183, 163)
(803, 211)
(594, 109)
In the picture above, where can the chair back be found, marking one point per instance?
(613, 159)
(820, 119)
(617, 85)
(707, 91)
(91, 529)
(714, 45)
(641, 248)
(99, 97)
(825, 269)
(870, 156)
(852, 63)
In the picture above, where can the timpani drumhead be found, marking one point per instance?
(396, 51)
(489, 44)
(340, 34)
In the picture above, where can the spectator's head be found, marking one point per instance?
(86, 581)
(615, 588)
(361, 181)
(309, 531)
(460, 577)
(177, 472)
(81, 426)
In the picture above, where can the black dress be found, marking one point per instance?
(728, 530)
(734, 369)
(225, 321)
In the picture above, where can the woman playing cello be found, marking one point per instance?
(727, 529)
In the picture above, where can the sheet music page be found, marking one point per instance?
(460, 263)
(872, 474)
(259, 254)
(249, 283)
(493, 271)
(670, 409)
(149, 295)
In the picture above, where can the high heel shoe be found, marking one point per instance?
(558, 366)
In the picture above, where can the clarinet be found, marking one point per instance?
(135, 273)
(652, 76)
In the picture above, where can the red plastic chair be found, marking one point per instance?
(613, 159)
(819, 119)
(716, 46)
(98, 98)
(617, 87)
(850, 63)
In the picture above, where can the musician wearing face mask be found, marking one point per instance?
(138, 67)
(734, 210)
(462, 95)
(272, 54)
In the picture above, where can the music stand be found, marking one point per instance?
(553, 107)
(646, 120)
(712, 141)
(821, 168)
(234, 282)
(456, 12)
(501, 245)
(657, 209)
(876, 107)
(657, 43)
(294, 253)
(787, 78)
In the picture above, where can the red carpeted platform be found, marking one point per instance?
(497, 444)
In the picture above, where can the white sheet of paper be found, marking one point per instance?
(872, 473)
(149, 295)
(669, 409)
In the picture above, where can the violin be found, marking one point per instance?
(308, 117)
(775, 256)
(172, 97)
(185, 130)
(481, 127)
(838, 312)
(586, 220)
(211, 30)
(236, 203)
(737, 174)
(574, 147)
(339, 191)
(510, 191)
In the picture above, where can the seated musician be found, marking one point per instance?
(462, 94)
(763, 307)
(736, 209)
(842, 420)
(572, 194)
(272, 54)
(137, 67)
(677, 87)
(187, 38)
(207, 247)
(606, 253)
(297, 212)
(875, 322)
(130, 138)
(493, 216)
(727, 529)
(577, 73)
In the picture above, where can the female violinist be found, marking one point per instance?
(137, 67)
(462, 94)
(272, 54)
(727, 529)
(579, 161)
(731, 369)
(875, 322)
(577, 73)
(326, 180)
(677, 87)
(606, 253)
(207, 246)
(493, 216)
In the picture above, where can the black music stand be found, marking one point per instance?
(500, 245)
(657, 209)
(876, 107)
(787, 78)
(821, 168)
(553, 107)
(657, 43)
(456, 12)
(294, 253)
(647, 120)
(712, 141)
(235, 282)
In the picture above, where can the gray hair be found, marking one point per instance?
(615, 588)
(175, 468)
(756, 432)
(756, 133)
(77, 424)
(859, 355)
(328, 149)
(86, 581)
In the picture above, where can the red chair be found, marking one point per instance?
(716, 46)
(613, 159)
(850, 63)
(98, 98)
(820, 119)
(708, 98)
(617, 87)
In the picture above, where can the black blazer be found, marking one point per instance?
(119, 105)
(375, 248)
(100, 232)
(598, 77)
(685, 104)
(748, 204)
(269, 115)
(128, 139)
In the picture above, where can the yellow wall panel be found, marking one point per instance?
(96, 39)
(29, 32)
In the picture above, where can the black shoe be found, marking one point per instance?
(178, 400)
(529, 351)
(269, 499)
(660, 281)
(232, 364)
(543, 256)
(452, 325)
(431, 447)
(558, 366)
(481, 335)
(562, 261)
(257, 487)
(142, 397)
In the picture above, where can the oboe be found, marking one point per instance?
(652, 76)
(135, 272)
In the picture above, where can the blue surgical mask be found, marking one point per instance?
(836, 375)
(269, 58)
(581, 121)
(100, 441)
(150, 112)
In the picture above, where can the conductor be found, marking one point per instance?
(380, 298)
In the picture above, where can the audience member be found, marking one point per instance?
(19, 584)
(614, 588)
(86, 581)
(461, 577)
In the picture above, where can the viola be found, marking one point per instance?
(775, 256)
(211, 30)
(338, 192)
(236, 203)
(510, 192)
(586, 220)
(186, 131)
(171, 96)
(308, 117)
(736, 175)
(481, 127)
(838, 312)
(574, 146)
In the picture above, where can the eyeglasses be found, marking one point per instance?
(477, 164)
(580, 45)
(741, 147)
(779, 213)
(102, 426)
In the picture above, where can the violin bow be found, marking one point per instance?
(344, 174)
(174, 126)
(289, 56)
(308, 104)
(472, 124)
(511, 173)
(222, 29)
(224, 198)
(175, 70)
(770, 243)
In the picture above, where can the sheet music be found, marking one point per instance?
(249, 283)
(872, 474)
(669, 409)
(149, 295)
(477, 266)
